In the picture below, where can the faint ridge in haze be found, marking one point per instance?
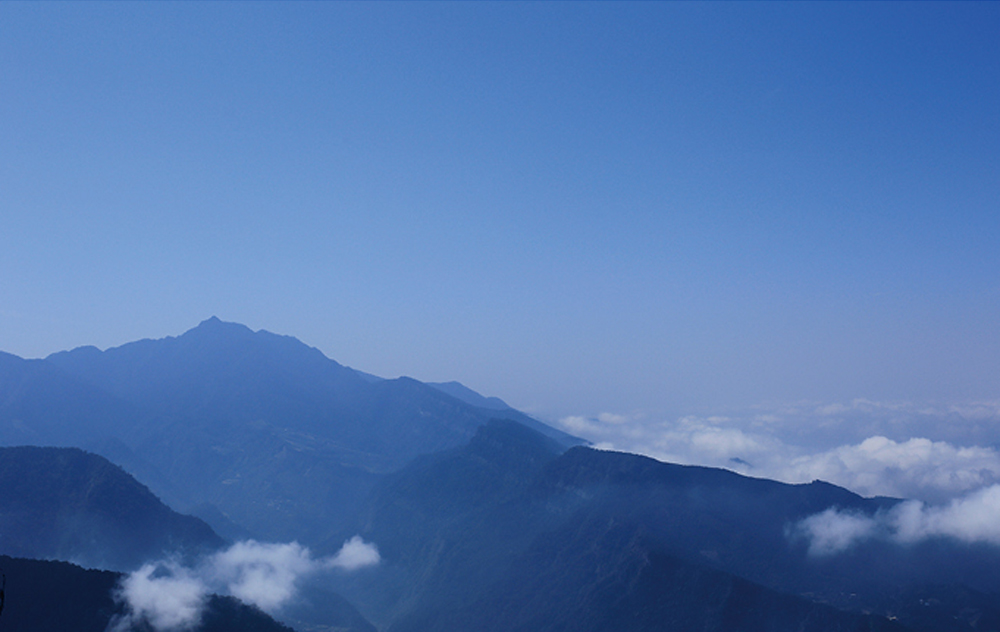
(469, 396)
(64, 503)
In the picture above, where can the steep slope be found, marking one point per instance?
(437, 522)
(602, 577)
(64, 503)
(745, 526)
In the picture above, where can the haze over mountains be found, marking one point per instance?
(63, 503)
(279, 438)
(429, 507)
(527, 537)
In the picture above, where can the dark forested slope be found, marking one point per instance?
(64, 503)
(46, 596)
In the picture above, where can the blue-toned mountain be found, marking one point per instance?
(514, 532)
(280, 439)
(64, 503)
(47, 596)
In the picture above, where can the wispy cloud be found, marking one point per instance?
(833, 531)
(170, 597)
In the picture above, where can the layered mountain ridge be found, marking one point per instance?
(64, 503)
(281, 440)
(484, 518)
(513, 532)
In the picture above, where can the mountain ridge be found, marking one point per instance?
(465, 542)
(471, 508)
(64, 503)
(255, 428)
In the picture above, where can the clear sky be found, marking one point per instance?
(640, 210)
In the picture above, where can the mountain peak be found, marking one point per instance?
(218, 328)
(214, 323)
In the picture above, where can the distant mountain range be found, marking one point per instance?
(485, 519)
(256, 428)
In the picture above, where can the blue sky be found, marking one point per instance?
(632, 209)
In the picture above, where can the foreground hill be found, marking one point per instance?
(511, 532)
(64, 503)
(56, 596)
(67, 504)
(261, 433)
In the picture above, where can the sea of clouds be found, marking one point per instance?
(898, 449)
(169, 596)
(944, 458)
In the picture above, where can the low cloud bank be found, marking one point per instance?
(170, 597)
(973, 518)
(903, 450)
(942, 457)
(916, 468)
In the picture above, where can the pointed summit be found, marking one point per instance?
(246, 420)
(215, 326)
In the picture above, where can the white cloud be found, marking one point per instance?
(262, 574)
(355, 554)
(923, 451)
(917, 468)
(166, 595)
(724, 443)
(832, 409)
(972, 518)
(171, 597)
(583, 426)
(612, 418)
(833, 531)
(866, 446)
